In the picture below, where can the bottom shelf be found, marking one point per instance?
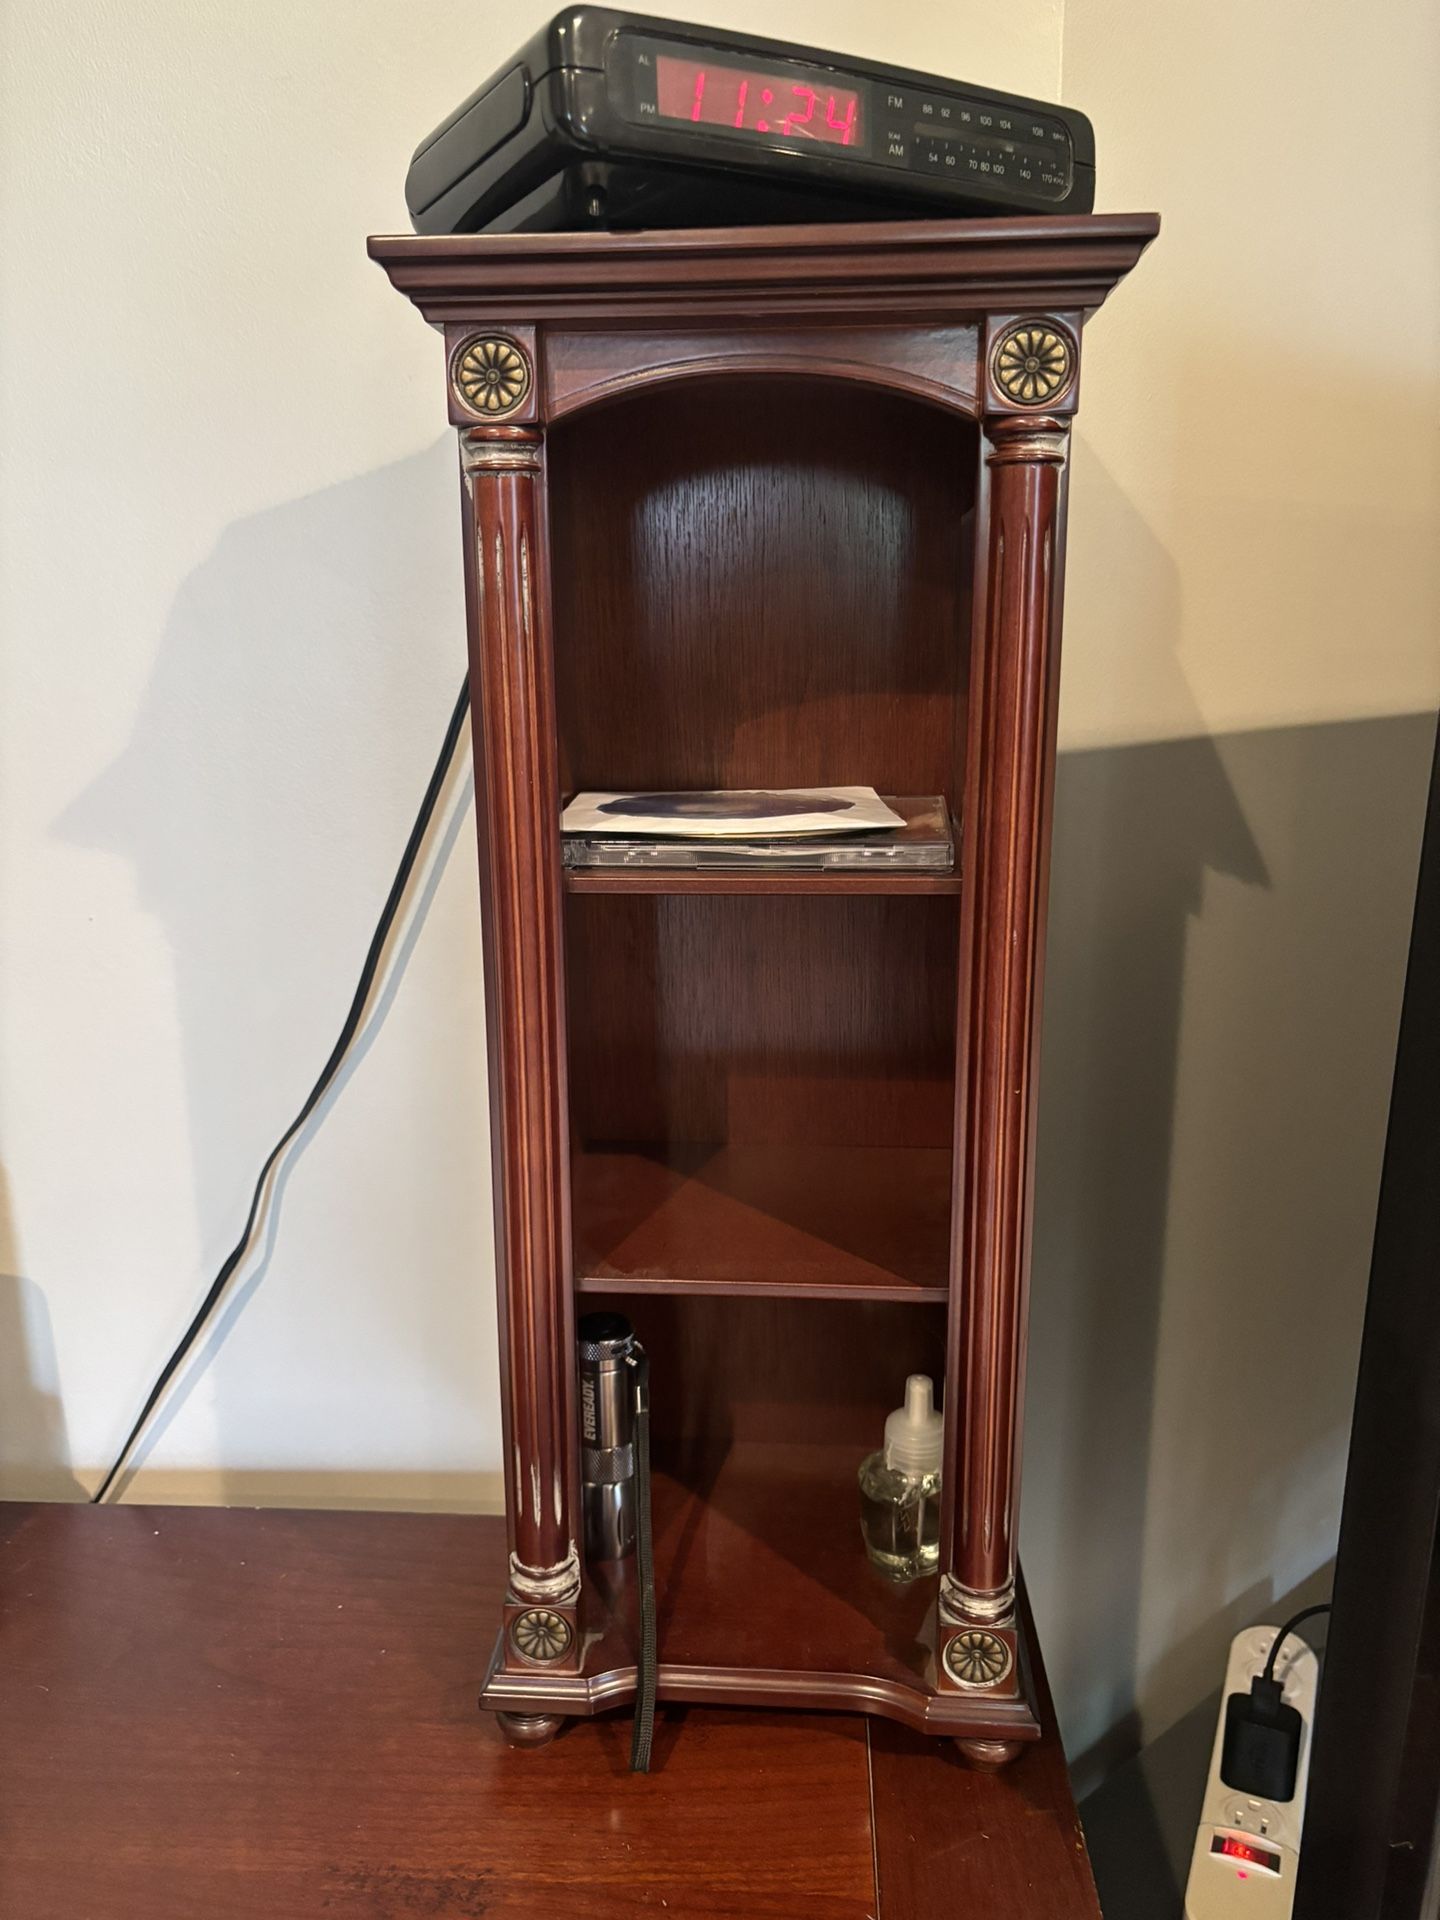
(766, 1597)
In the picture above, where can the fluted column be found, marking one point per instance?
(1005, 864)
(517, 803)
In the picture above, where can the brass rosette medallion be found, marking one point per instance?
(1033, 364)
(976, 1658)
(540, 1635)
(491, 376)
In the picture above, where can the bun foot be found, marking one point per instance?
(988, 1756)
(529, 1729)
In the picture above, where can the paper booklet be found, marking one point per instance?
(731, 814)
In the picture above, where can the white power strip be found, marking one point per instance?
(1247, 1851)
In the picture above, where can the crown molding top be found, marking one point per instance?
(912, 270)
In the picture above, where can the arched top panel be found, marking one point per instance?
(938, 365)
(762, 582)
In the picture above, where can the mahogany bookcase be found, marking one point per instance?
(766, 507)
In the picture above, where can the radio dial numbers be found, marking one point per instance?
(958, 139)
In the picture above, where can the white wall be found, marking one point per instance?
(229, 609)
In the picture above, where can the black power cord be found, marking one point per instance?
(316, 1094)
(1296, 1620)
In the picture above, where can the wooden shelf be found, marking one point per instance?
(772, 880)
(856, 1223)
(677, 880)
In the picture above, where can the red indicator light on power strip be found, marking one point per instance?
(1230, 1847)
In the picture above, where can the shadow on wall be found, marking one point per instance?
(330, 612)
(1137, 830)
(34, 1446)
(1227, 939)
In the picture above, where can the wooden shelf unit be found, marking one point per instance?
(767, 508)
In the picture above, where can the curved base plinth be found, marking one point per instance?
(994, 1726)
(529, 1729)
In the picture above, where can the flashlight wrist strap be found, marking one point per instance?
(645, 1574)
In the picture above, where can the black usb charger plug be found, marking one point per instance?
(1260, 1752)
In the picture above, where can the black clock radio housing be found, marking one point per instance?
(613, 120)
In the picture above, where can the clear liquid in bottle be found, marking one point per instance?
(900, 1488)
(900, 1519)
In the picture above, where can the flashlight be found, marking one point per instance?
(611, 1359)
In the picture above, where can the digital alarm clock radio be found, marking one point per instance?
(614, 120)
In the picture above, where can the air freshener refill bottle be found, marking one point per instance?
(900, 1487)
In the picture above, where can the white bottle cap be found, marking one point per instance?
(915, 1433)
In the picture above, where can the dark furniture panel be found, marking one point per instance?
(1372, 1821)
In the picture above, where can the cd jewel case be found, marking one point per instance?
(729, 813)
(922, 842)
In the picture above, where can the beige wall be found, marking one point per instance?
(1253, 531)
(1252, 666)
(229, 614)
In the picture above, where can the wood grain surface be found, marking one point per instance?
(776, 1022)
(951, 1843)
(240, 1715)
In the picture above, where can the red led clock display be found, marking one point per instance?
(772, 105)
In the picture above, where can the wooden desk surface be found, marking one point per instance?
(236, 1714)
